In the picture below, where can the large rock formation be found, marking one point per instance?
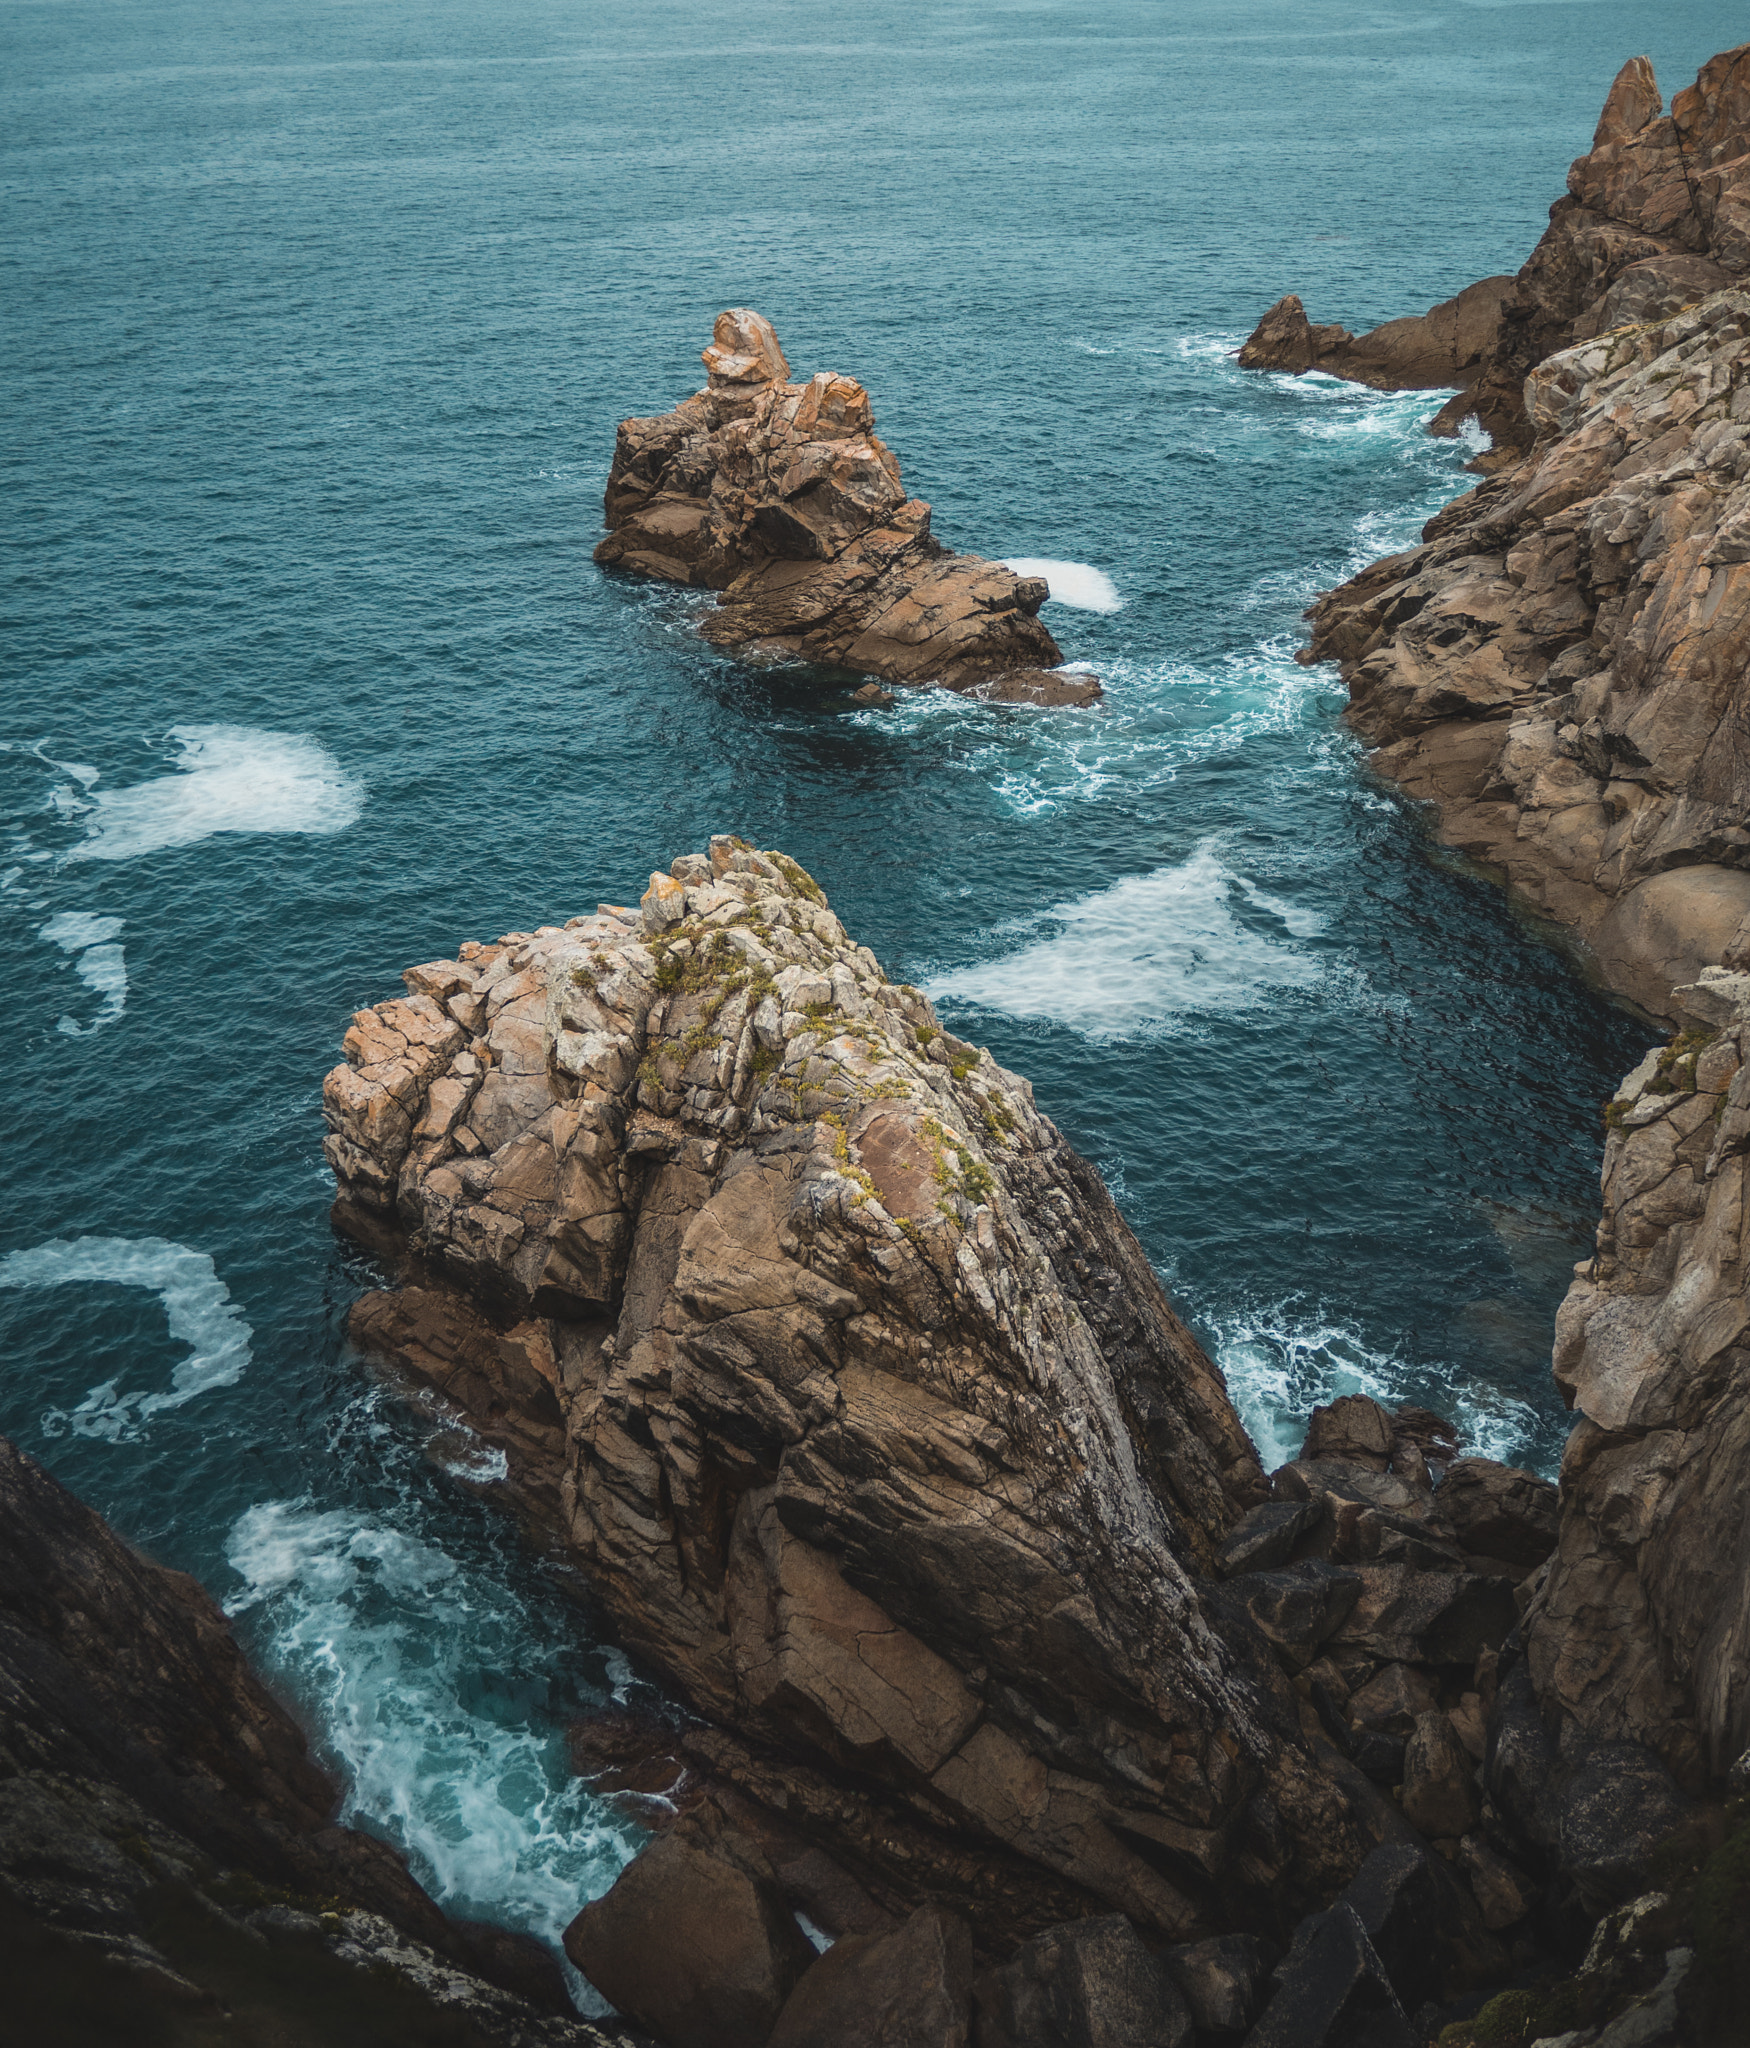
(1657, 215)
(780, 496)
(1641, 1631)
(167, 1852)
(1561, 665)
(865, 1414)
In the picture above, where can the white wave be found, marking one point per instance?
(385, 1637)
(196, 1301)
(228, 778)
(1280, 1366)
(1150, 948)
(99, 962)
(1077, 584)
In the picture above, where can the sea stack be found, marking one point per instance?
(781, 496)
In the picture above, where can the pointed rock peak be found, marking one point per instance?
(744, 350)
(1634, 101)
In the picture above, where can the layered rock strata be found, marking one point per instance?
(1656, 216)
(781, 497)
(876, 1434)
(168, 1858)
(1560, 666)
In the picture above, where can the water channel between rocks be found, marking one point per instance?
(323, 324)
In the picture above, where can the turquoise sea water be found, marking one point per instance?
(319, 320)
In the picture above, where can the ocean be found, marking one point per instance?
(320, 315)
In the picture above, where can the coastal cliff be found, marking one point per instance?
(1561, 666)
(781, 497)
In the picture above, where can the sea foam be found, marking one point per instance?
(1077, 584)
(1194, 937)
(201, 1314)
(228, 778)
(98, 960)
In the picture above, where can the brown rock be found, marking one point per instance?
(1394, 1700)
(1498, 1511)
(1503, 1892)
(692, 1947)
(909, 1988)
(781, 496)
(1440, 1791)
(1091, 1984)
(896, 1459)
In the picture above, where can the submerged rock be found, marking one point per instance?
(879, 1438)
(781, 497)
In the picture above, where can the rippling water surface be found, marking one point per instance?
(320, 319)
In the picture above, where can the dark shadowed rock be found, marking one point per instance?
(1263, 1539)
(1421, 1925)
(1498, 1511)
(1090, 1984)
(1503, 1892)
(908, 1988)
(690, 1945)
(1617, 1806)
(1332, 1991)
(1224, 1981)
(1298, 1607)
(1394, 1699)
(1440, 1792)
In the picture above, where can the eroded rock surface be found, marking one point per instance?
(781, 497)
(1656, 216)
(1561, 666)
(1641, 1630)
(879, 1438)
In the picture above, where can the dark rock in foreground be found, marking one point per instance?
(781, 497)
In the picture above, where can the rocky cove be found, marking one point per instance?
(989, 1651)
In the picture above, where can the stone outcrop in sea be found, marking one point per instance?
(1562, 666)
(169, 1865)
(781, 497)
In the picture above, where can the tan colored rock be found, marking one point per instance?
(1440, 1790)
(781, 496)
(876, 1434)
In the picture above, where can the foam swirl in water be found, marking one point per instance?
(1077, 584)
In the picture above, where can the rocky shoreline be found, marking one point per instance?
(838, 1375)
(1560, 669)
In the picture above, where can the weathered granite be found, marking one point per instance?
(880, 1440)
(781, 497)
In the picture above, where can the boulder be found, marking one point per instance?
(1617, 1805)
(781, 497)
(1503, 1893)
(1223, 1981)
(1394, 1699)
(1267, 1536)
(1421, 1926)
(1440, 1791)
(908, 1988)
(1090, 1984)
(692, 1946)
(1298, 1607)
(1497, 1511)
(881, 1443)
(1332, 1991)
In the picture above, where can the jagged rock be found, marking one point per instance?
(879, 1438)
(698, 1949)
(1223, 1981)
(781, 497)
(1419, 1923)
(1502, 1891)
(1091, 1984)
(1297, 1609)
(1285, 340)
(1332, 1991)
(907, 1988)
(1440, 1793)
(1266, 1537)
(1617, 1806)
(1558, 667)
(1394, 1699)
(1497, 1511)
(1638, 1632)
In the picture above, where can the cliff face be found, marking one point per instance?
(781, 496)
(865, 1413)
(1642, 1631)
(1561, 665)
(167, 1853)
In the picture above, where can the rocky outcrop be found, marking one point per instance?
(781, 497)
(1561, 666)
(1656, 216)
(1641, 1632)
(880, 1440)
(167, 1852)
